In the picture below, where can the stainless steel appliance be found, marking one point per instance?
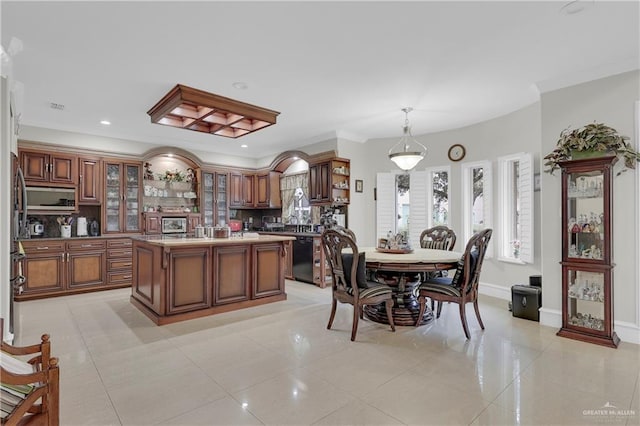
(174, 225)
(81, 226)
(19, 229)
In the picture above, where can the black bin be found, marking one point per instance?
(525, 302)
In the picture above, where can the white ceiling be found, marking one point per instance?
(333, 69)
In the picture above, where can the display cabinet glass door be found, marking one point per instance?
(113, 197)
(585, 207)
(214, 195)
(122, 195)
(132, 209)
(585, 300)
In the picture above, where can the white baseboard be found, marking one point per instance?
(626, 331)
(495, 290)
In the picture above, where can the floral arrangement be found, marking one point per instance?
(516, 247)
(172, 176)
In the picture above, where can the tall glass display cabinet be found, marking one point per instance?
(587, 283)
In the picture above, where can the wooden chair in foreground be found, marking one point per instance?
(349, 282)
(463, 287)
(30, 389)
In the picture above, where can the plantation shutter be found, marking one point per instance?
(385, 204)
(526, 207)
(418, 218)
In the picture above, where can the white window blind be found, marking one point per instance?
(418, 218)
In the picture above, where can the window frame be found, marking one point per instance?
(430, 172)
(506, 206)
(467, 199)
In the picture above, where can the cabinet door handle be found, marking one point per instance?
(68, 257)
(126, 264)
(42, 248)
(62, 255)
(51, 168)
(126, 277)
(86, 245)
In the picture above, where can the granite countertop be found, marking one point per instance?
(89, 237)
(293, 234)
(178, 241)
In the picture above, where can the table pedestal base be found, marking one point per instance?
(405, 304)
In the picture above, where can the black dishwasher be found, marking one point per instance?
(303, 259)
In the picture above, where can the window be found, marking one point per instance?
(438, 196)
(476, 199)
(516, 208)
(401, 204)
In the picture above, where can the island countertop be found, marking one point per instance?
(173, 241)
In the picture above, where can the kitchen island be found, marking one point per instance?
(176, 279)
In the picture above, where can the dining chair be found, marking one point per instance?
(349, 282)
(347, 231)
(463, 287)
(439, 238)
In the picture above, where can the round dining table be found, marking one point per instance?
(402, 272)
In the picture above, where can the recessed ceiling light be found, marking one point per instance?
(105, 122)
(244, 145)
(240, 85)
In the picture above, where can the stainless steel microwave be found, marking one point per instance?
(174, 225)
(42, 198)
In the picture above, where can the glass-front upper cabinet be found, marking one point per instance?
(122, 197)
(214, 196)
(587, 260)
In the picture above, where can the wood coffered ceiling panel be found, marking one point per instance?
(192, 109)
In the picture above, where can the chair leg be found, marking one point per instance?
(356, 316)
(423, 307)
(361, 312)
(388, 304)
(463, 318)
(334, 304)
(475, 306)
(439, 309)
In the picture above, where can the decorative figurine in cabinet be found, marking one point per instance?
(587, 284)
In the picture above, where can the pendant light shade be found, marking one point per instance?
(407, 152)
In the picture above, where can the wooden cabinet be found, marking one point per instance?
(319, 179)
(268, 269)
(214, 198)
(44, 268)
(152, 223)
(288, 260)
(587, 260)
(254, 190)
(189, 277)
(57, 267)
(119, 262)
(89, 181)
(42, 167)
(268, 190)
(329, 182)
(193, 220)
(231, 274)
(86, 263)
(321, 269)
(121, 212)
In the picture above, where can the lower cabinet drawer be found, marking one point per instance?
(119, 252)
(121, 277)
(119, 264)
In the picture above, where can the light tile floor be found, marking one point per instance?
(277, 364)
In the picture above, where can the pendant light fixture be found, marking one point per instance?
(407, 152)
